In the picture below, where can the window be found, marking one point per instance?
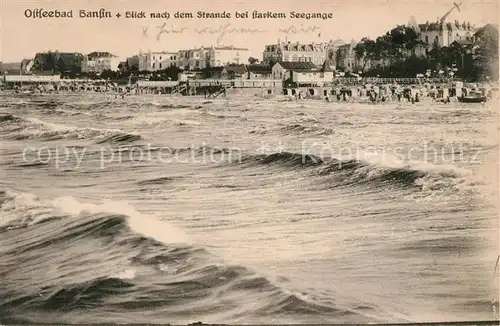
(160, 65)
(154, 58)
(153, 65)
(160, 57)
(427, 39)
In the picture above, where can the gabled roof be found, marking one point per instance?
(297, 65)
(238, 69)
(213, 69)
(97, 54)
(230, 48)
(259, 69)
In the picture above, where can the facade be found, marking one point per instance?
(259, 72)
(441, 33)
(316, 53)
(158, 60)
(346, 57)
(226, 55)
(97, 62)
(283, 70)
(313, 76)
(200, 58)
(234, 71)
(194, 59)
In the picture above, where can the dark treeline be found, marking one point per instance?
(394, 55)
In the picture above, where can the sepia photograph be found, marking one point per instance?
(249, 163)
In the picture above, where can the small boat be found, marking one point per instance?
(472, 99)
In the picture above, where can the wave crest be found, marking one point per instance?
(368, 171)
(18, 128)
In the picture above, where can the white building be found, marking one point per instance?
(303, 73)
(193, 59)
(97, 62)
(284, 69)
(158, 60)
(441, 33)
(202, 57)
(227, 55)
(313, 52)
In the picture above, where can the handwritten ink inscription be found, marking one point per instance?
(164, 30)
(226, 29)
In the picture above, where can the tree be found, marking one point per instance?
(366, 50)
(108, 74)
(272, 61)
(172, 73)
(253, 60)
(485, 52)
(61, 66)
(404, 39)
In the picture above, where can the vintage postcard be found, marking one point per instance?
(224, 162)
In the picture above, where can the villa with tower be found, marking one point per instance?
(441, 32)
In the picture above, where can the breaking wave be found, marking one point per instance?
(367, 171)
(16, 128)
(57, 237)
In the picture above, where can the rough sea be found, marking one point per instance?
(161, 209)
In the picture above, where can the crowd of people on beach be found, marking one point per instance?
(374, 93)
(411, 94)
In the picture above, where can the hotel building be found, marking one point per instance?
(158, 60)
(441, 33)
(97, 62)
(313, 52)
(202, 57)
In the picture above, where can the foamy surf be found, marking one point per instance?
(274, 229)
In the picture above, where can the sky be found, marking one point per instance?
(22, 37)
